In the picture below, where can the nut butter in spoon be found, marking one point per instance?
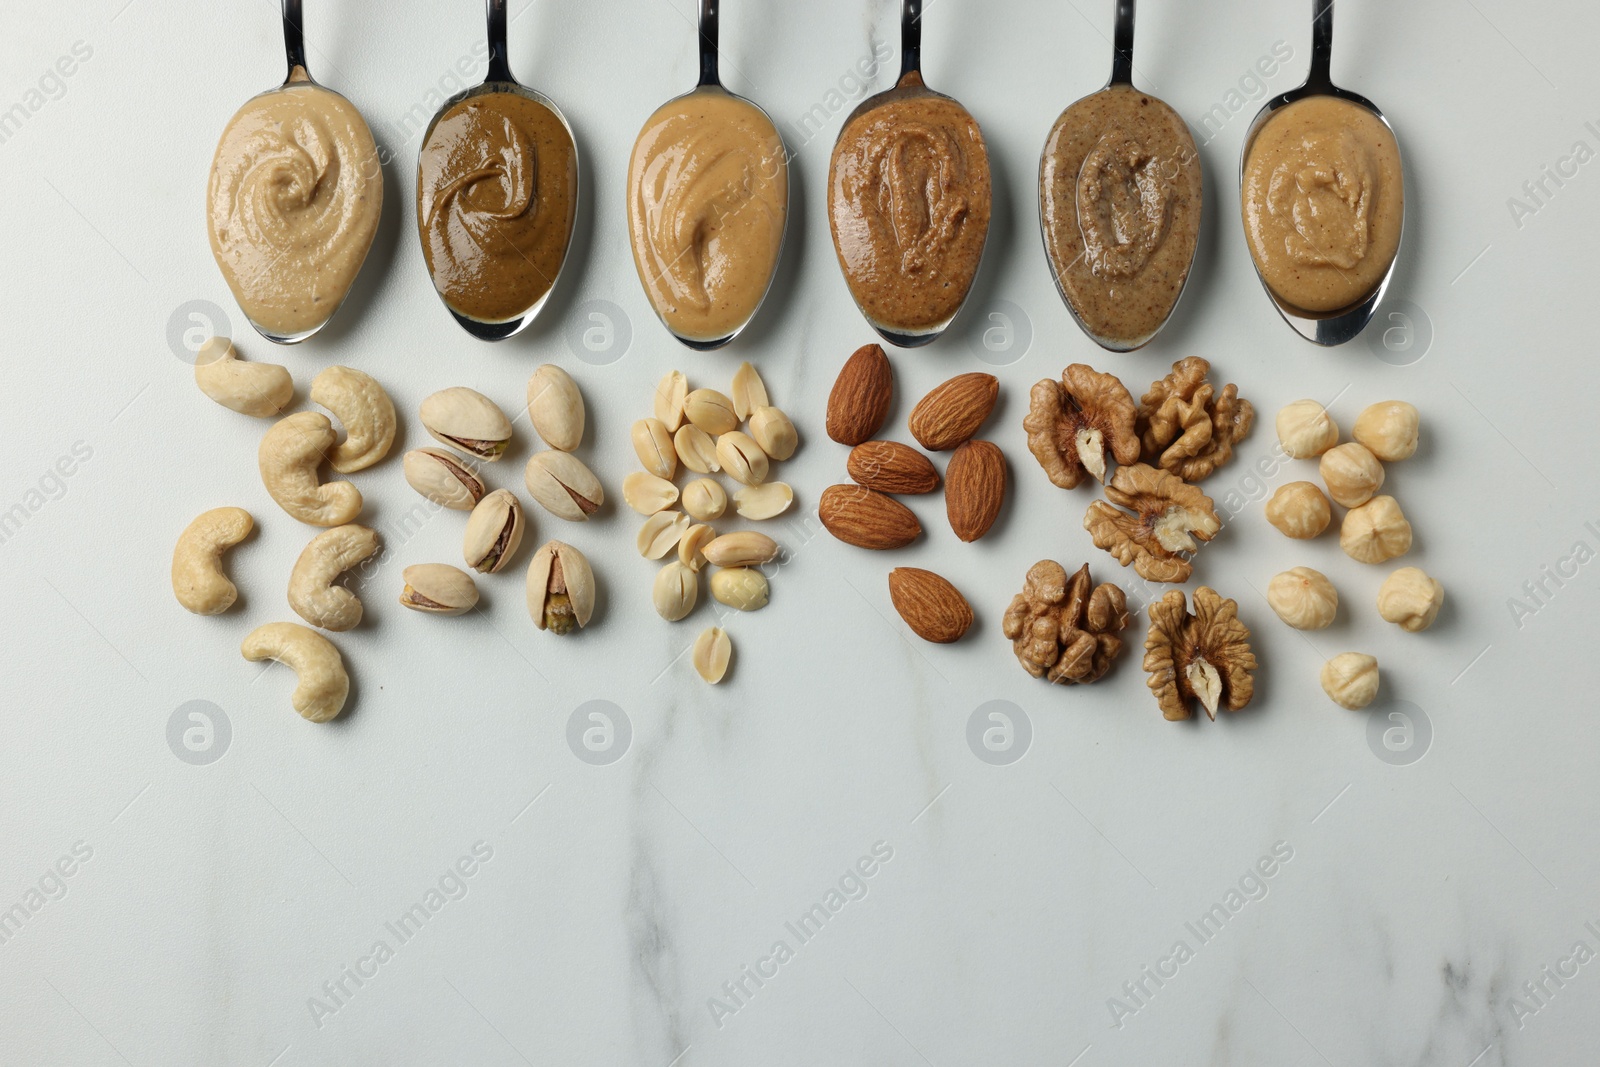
(908, 201)
(497, 197)
(293, 200)
(708, 204)
(1323, 200)
(1119, 205)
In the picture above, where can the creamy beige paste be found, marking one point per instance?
(708, 196)
(497, 195)
(1119, 202)
(908, 203)
(292, 205)
(1323, 201)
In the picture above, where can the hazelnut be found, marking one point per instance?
(1410, 599)
(1299, 510)
(1376, 531)
(1305, 429)
(1303, 598)
(1351, 473)
(1388, 429)
(1350, 679)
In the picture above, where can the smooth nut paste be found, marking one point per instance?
(1323, 201)
(1119, 202)
(908, 203)
(708, 197)
(497, 194)
(292, 205)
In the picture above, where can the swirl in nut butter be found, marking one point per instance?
(908, 202)
(292, 205)
(497, 192)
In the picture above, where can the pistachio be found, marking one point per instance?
(560, 588)
(443, 478)
(744, 588)
(647, 494)
(661, 532)
(774, 432)
(555, 407)
(675, 592)
(741, 549)
(742, 458)
(763, 501)
(749, 391)
(562, 485)
(712, 651)
(696, 449)
(705, 499)
(710, 410)
(692, 546)
(652, 442)
(494, 530)
(438, 589)
(466, 419)
(671, 395)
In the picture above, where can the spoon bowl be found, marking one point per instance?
(499, 79)
(1335, 327)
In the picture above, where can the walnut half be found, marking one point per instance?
(1072, 424)
(1205, 656)
(1169, 517)
(1065, 631)
(1189, 428)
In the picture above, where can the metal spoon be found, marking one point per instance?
(908, 86)
(1330, 327)
(711, 82)
(499, 79)
(1121, 79)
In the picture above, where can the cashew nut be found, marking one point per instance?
(312, 594)
(289, 456)
(365, 411)
(259, 389)
(197, 578)
(323, 683)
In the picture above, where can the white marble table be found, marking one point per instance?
(1282, 887)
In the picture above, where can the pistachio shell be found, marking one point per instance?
(438, 589)
(562, 485)
(560, 588)
(555, 407)
(494, 530)
(443, 477)
(466, 419)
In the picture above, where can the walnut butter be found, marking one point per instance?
(908, 203)
(292, 205)
(497, 194)
(708, 197)
(1323, 201)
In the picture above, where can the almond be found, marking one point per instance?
(933, 608)
(862, 517)
(891, 467)
(860, 399)
(953, 411)
(974, 488)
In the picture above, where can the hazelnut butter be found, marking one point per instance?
(292, 205)
(908, 203)
(708, 197)
(1323, 201)
(1119, 203)
(497, 194)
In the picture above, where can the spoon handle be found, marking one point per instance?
(294, 40)
(911, 40)
(1122, 45)
(499, 61)
(708, 43)
(1321, 77)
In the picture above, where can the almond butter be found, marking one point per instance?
(933, 608)
(861, 394)
(954, 410)
(974, 488)
(891, 467)
(865, 518)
